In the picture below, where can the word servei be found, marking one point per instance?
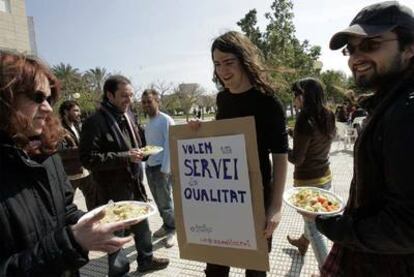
(211, 168)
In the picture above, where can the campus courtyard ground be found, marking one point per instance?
(284, 259)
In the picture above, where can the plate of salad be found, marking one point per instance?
(151, 150)
(125, 211)
(314, 200)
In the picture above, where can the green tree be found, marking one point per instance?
(286, 57)
(95, 78)
(76, 87)
(66, 71)
(88, 101)
(70, 78)
(249, 28)
(336, 85)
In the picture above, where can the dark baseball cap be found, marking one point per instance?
(374, 20)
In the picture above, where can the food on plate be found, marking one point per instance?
(315, 201)
(151, 149)
(123, 211)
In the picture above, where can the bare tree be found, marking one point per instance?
(166, 90)
(188, 95)
(207, 102)
(163, 87)
(170, 103)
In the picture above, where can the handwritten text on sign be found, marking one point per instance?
(215, 191)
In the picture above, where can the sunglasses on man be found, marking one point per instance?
(39, 97)
(368, 45)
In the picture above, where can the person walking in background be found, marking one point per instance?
(340, 114)
(41, 234)
(70, 115)
(375, 234)
(158, 166)
(312, 139)
(246, 92)
(109, 147)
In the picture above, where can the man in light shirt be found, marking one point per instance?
(158, 165)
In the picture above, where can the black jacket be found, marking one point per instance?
(378, 222)
(102, 153)
(36, 210)
(73, 142)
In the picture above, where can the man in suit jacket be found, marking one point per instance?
(109, 147)
(70, 115)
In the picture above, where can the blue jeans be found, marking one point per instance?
(316, 239)
(161, 189)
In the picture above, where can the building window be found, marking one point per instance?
(5, 6)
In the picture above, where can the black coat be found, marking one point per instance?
(108, 160)
(36, 210)
(377, 230)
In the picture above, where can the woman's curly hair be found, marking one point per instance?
(19, 75)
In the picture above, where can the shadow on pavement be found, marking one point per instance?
(99, 267)
(297, 262)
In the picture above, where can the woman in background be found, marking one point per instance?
(312, 138)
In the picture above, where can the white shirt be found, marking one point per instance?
(72, 127)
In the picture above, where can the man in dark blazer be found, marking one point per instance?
(109, 147)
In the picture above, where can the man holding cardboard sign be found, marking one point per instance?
(245, 93)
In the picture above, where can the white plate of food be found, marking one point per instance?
(314, 201)
(151, 150)
(123, 211)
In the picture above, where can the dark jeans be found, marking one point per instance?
(118, 263)
(161, 189)
(214, 270)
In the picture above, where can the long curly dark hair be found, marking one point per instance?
(249, 56)
(19, 75)
(314, 113)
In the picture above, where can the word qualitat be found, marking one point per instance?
(215, 195)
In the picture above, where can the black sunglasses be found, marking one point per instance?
(366, 46)
(39, 97)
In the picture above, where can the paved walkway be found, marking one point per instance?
(284, 259)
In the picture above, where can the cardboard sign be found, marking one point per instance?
(218, 193)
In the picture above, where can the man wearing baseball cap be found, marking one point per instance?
(375, 235)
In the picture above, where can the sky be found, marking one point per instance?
(168, 41)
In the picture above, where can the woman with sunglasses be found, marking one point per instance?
(40, 232)
(312, 138)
